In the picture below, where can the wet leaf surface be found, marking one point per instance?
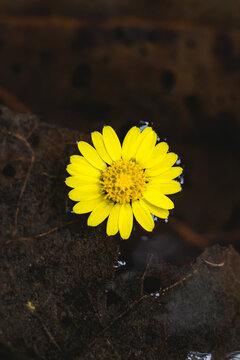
(85, 307)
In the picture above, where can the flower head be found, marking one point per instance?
(116, 182)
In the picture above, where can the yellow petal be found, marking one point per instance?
(113, 219)
(167, 188)
(98, 142)
(83, 193)
(157, 155)
(142, 215)
(91, 155)
(78, 159)
(167, 162)
(79, 165)
(130, 143)
(112, 143)
(83, 207)
(99, 214)
(156, 198)
(146, 147)
(133, 139)
(169, 174)
(73, 169)
(81, 180)
(157, 211)
(125, 220)
(146, 131)
(143, 134)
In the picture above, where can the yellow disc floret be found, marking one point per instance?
(124, 181)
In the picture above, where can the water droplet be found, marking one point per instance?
(166, 220)
(178, 162)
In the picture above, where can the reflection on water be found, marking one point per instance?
(163, 245)
(194, 355)
(233, 355)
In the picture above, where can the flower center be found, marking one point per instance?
(123, 181)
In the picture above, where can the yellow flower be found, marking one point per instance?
(30, 306)
(114, 181)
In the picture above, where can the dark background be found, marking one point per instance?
(79, 63)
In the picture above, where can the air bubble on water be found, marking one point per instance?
(154, 218)
(155, 294)
(119, 264)
(181, 179)
(143, 125)
(122, 263)
(166, 220)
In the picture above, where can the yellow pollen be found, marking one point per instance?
(123, 181)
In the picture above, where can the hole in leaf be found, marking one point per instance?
(151, 284)
(9, 170)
